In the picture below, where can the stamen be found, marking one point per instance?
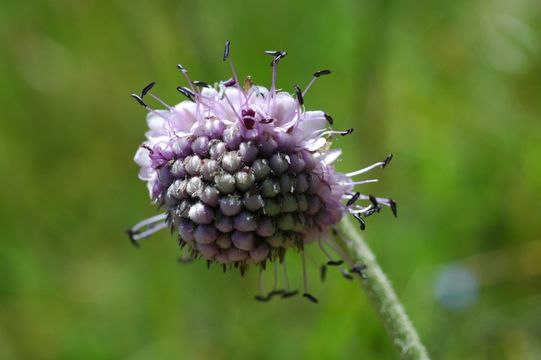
(360, 269)
(201, 84)
(149, 221)
(373, 166)
(353, 183)
(335, 262)
(353, 199)
(235, 77)
(186, 92)
(141, 102)
(298, 91)
(306, 294)
(346, 274)
(387, 202)
(186, 76)
(323, 272)
(316, 75)
(362, 223)
(226, 49)
(335, 132)
(147, 88)
(328, 118)
(277, 56)
(135, 236)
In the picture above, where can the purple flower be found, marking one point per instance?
(245, 173)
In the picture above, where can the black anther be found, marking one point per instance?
(133, 241)
(323, 272)
(289, 294)
(359, 269)
(182, 68)
(392, 204)
(310, 297)
(200, 84)
(275, 293)
(186, 92)
(387, 160)
(230, 82)
(226, 49)
(322, 72)
(346, 132)
(261, 298)
(147, 88)
(298, 91)
(139, 100)
(346, 274)
(354, 198)
(335, 262)
(329, 118)
(361, 221)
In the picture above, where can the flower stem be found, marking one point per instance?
(381, 293)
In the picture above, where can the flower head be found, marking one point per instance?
(245, 173)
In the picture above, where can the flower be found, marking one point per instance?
(245, 173)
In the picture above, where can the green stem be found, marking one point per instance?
(381, 293)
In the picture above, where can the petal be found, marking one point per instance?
(312, 121)
(284, 107)
(331, 156)
(183, 116)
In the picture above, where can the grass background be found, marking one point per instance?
(452, 88)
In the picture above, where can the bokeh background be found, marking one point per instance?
(452, 88)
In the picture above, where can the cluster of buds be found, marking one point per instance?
(245, 173)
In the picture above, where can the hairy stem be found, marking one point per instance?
(381, 293)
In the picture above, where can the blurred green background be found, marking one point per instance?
(452, 88)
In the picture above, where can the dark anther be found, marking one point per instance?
(346, 132)
(242, 269)
(139, 100)
(181, 68)
(266, 121)
(359, 269)
(186, 92)
(261, 298)
(321, 73)
(248, 112)
(387, 160)
(275, 293)
(289, 294)
(147, 88)
(133, 241)
(184, 260)
(323, 272)
(361, 221)
(201, 84)
(226, 49)
(230, 82)
(335, 262)
(248, 122)
(375, 206)
(346, 274)
(277, 56)
(145, 146)
(392, 204)
(298, 91)
(329, 118)
(310, 297)
(272, 52)
(354, 198)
